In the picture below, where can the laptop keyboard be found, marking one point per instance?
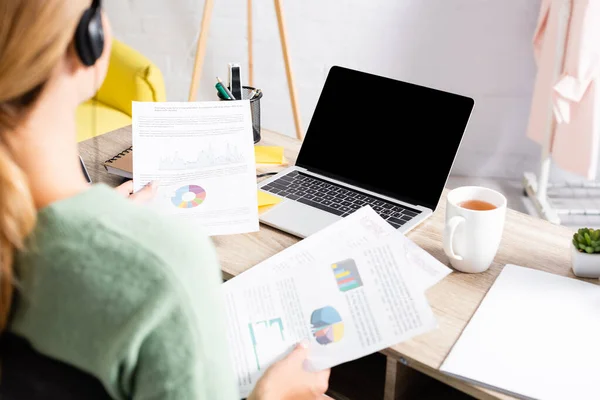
(336, 199)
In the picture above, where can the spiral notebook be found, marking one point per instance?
(121, 164)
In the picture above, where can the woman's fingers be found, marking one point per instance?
(141, 196)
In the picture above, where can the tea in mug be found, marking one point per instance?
(477, 205)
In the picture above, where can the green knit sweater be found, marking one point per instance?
(126, 295)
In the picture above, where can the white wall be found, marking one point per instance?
(480, 48)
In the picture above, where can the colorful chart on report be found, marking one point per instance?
(327, 325)
(346, 275)
(189, 196)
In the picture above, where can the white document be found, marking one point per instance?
(429, 270)
(202, 154)
(534, 336)
(352, 289)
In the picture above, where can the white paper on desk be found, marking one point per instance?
(350, 289)
(535, 335)
(202, 153)
(427, 269)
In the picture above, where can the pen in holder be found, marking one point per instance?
(254, 108)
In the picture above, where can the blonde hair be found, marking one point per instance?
(34, 37)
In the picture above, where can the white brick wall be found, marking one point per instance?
(480, 48)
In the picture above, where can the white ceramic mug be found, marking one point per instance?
(472, 237)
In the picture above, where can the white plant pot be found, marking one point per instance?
(585, 265)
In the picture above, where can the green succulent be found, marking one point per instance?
(587, 240)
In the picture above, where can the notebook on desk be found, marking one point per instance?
(121, 164)
(534, 336)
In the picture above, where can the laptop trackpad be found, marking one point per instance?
(298, 219)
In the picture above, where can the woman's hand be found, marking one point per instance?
(288, 380)
(143, 195)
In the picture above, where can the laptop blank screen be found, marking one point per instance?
(391, 137)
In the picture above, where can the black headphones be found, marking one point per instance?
(89, 36)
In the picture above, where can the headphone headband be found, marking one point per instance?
(96, 4)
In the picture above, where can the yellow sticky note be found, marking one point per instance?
(266, 201)
(269, 155)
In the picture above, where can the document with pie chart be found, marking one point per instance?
(202, 155)
(349, 290)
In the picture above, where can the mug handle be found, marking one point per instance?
(449, 236)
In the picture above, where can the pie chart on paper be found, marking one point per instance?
(189, 196)
(327, 325)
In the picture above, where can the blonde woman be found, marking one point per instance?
(87, 277)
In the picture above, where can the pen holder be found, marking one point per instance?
(254, 110)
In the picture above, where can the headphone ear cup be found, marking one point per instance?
(89, 37)
(81, 38)
(96, 35)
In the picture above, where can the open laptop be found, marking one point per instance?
(372, 140)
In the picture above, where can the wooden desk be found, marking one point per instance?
(527, 241)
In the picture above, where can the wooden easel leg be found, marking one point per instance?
(250, 49)
(201, 49)
(288, 67)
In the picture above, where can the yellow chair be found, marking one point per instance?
(130, 77)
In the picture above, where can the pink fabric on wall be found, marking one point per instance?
(575, 94)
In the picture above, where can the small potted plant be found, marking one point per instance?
(585, 253)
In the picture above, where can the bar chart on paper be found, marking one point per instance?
(268, 340)
(346, 275)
